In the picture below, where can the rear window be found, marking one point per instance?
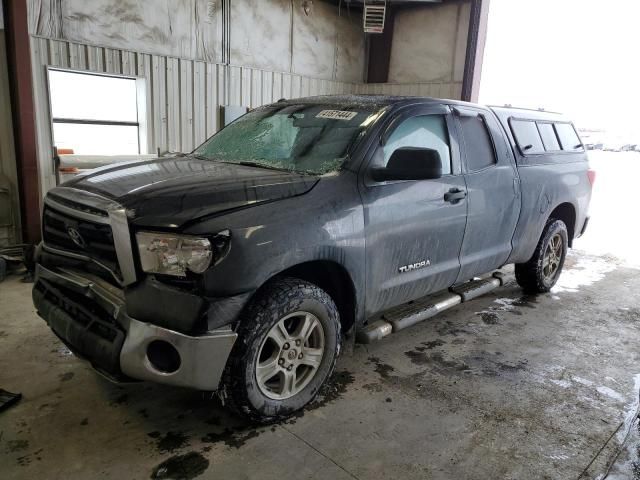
(527, 136)
(549, 138)
(479, 146)
(569, 139)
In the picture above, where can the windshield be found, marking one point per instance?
(301, 138)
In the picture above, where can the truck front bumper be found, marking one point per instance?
(89, 316)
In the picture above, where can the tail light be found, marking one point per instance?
(592, 176)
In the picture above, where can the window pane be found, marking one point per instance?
(549, 138)
(568, 137)
(477, 142)
(96, 139)
(527, 136)
(92, 97)
(428, 131)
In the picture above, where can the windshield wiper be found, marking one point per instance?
(263, 165)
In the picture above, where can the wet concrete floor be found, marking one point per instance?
(506, 386)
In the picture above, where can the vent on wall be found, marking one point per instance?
(373, 16)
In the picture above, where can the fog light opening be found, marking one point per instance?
(163, 356)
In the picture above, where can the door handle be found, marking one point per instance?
(454, 195)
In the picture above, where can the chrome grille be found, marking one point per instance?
(100, 227)
(97, 238)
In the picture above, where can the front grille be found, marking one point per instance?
(96, 243)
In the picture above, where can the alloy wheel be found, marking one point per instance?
(290, 355)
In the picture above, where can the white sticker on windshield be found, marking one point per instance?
(336, 114)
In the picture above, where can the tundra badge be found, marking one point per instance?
(414, 266)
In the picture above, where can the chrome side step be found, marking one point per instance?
(410, 314)
(406, 315)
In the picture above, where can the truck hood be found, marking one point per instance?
(169, 193)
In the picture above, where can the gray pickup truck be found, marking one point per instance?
(241, 267)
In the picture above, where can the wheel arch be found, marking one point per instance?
(334, 279)
(567, 213)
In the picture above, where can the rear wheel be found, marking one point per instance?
(542, 271)
(288, 343)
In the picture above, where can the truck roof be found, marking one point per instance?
(504, 113)
(379, 101)
(367, 100)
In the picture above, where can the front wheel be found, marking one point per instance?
(288, 343)
(542, 271)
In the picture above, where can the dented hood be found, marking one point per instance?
(169, 193)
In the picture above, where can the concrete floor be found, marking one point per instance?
(505, 386)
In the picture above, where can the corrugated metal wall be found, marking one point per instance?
(451, 90)
(182, 96)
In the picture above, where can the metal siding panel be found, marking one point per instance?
(95, 56)
(235, 86)
(245, 85)
(112, 62)
(199, 103)
(256, 88)
(211, 113)
(314, 88)
(159, 94)
(183, 97)
(173, 104)
(75, 57)
(186, 105)
(267, 88)
(296, 86)
(286, 85)
(222, 87)
(277, 87)
(142, 68)
(304, 87)
(128, 62)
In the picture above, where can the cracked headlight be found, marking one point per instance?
(171, 254)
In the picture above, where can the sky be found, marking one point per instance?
(579, 57)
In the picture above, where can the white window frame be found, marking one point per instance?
(141, 109)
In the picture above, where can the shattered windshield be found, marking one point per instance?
(306, 138)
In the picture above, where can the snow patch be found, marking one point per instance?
(586, 271)
(609, 392)
(582, 381)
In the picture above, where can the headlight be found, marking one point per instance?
(171, 254)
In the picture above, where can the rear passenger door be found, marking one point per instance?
(493, 196)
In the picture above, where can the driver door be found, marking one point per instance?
(413, 234)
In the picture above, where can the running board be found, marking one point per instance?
(408, 314)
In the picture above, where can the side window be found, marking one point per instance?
(426, 131)
(569, 139)
(549, 138)
(479, 149)
(527, 136)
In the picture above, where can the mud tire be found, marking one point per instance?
(530, 275)
(276, 300)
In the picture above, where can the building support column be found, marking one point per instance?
(22, 105)
(476, 40)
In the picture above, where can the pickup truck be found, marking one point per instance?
(242, 267)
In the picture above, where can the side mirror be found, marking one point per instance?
(410, 163)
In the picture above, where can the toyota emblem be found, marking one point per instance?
(76, 237)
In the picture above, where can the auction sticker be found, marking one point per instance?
(336, 114)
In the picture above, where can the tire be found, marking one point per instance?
(537, 275)
(293, 304)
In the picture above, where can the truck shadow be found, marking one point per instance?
(176, 419)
